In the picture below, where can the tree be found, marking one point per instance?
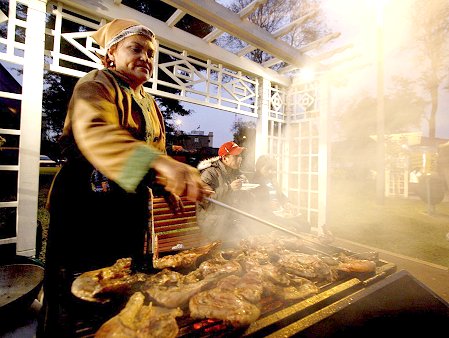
(357, 124)
(403, 113)
(431, 39)
(275, 14)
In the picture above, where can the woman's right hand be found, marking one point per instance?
(179, 178)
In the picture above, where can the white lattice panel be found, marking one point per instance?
(195, 81)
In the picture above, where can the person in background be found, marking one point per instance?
(222, 175)
(114, 142)
(269, 202)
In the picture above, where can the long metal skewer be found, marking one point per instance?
(241, 212)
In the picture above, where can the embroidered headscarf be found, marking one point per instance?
(118, 29)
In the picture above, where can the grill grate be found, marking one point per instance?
(276, 316)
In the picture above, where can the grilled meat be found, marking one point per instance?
(308, 266)
(224, 304)
(268, 271)
(249, 286)
(173, 289)
(98, 285)
(349, 264)
(137, 320)
(291, 292)
(214, 268)
(186, 259)
(174, 295)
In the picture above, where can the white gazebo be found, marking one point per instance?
(291, 112)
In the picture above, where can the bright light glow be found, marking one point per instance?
(307, 74)
(178, 122)
(358, 20)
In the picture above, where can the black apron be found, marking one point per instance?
(89, 229)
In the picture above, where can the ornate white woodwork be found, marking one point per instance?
(200, 82)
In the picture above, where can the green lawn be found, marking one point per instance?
(400, 225)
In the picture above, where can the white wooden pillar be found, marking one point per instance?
(30, 128)
(262, 121)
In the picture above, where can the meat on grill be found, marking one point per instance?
(185, 259)
(137, 320)
(215, 287)
(214, 268)
(291, 292)
(267, 271)
(349, 264)
(224, 304)
(308, 266)
(249, 286)
(170, 288)
(173, 289)
(98, 285)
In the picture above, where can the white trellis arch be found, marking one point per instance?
(291, 115)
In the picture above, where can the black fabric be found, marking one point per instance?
(88, 230)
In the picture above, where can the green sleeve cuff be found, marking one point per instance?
(137, 167)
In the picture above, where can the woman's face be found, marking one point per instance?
(133, 57)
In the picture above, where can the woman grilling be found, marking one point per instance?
(114, 142)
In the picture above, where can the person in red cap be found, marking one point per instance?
(222, 174)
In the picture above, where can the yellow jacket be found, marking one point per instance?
(119, 134)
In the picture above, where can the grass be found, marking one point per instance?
(401, 225)
(43, 216)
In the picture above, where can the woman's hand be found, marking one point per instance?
(179, 178)
(174, 203)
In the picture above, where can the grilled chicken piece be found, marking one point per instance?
(137, 320)
(267, 271)
(214, 268)
(166, 277)
(172, 289)
(98, 285)
(349, 264)
(185, 259)
(291, 292)
(249, 286)
(174, 295)
(304, 265)
(219, 303)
